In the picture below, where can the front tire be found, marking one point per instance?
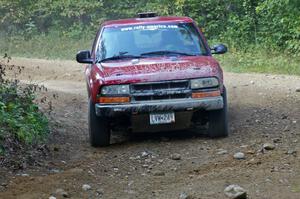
(218, 120)
(99, 130)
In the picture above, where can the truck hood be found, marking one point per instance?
(158, 69)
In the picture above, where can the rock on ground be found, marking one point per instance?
(175, 156)
(269, 146)
(235, 192)
(61, 192)
(222, 152)
(184, 195)
(239, 156)
(86, 187)
(158, 173)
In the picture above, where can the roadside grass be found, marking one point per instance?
(51, 46)
(57, 46)
(260, 62)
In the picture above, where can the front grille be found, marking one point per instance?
(160, 90)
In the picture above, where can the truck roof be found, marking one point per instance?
(150, 20)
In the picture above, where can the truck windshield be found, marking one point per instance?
(150, 40)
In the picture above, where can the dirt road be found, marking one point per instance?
(262, 109)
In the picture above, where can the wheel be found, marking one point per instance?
(99, 131)
(218, 121)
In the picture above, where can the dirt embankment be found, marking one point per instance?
(262, 109)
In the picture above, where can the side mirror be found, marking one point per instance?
(219, 49)
(84, 56)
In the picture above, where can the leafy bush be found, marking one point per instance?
(20, 117)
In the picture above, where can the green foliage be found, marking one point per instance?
(280, 24)
(57, 29)
(20, 117)
(43, 15)
(272, 23)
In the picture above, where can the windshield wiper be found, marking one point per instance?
(144, 55)
(117, 57)
(168, 52)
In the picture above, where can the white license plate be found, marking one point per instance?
(162, 118)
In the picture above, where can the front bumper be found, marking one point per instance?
(111, 110)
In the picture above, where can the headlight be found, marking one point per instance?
(204, 83)
(115, 90)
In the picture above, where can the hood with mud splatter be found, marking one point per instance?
(159, 69)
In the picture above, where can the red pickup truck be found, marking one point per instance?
(153, 73)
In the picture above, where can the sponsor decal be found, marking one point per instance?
(150, 27)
